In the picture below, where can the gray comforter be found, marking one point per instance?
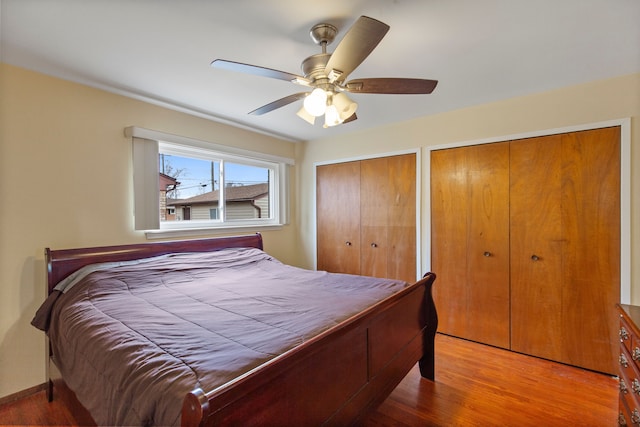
(132, 339)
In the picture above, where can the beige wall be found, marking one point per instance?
(65, 181)
(572, 106)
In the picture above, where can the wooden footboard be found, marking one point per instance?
(334, 378)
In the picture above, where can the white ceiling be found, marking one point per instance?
(479, 51)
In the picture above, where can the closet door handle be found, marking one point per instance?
(535, 257)
(487, 254)
(374, 245)
(348, 243)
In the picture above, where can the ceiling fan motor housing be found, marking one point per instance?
(323, 34)
(313, 66)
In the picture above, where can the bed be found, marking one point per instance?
(117, 321)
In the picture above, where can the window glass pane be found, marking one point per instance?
(246, 192)
(189, 188)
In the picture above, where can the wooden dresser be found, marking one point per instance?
(629, 402)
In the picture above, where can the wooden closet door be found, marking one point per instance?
(470, 241)
(401, 235)
(565, 274)
(338, 217)
(374, 216)
(591, 226)
(388, 215)
(536, 246)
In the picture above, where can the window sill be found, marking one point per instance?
(203, 231)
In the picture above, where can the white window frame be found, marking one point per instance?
(147, 144)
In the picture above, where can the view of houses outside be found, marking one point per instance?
(190, 190)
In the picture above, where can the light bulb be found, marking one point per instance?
(331, 116)
(316, 102)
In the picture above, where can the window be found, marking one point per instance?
(204, 186)
(215, 188)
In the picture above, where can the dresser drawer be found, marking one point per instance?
(630, 340)
(629, 360)
(626, 416)
(629, 386)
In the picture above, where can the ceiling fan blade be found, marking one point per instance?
(279, 103)
(398, 86)
(259, 71)
(355, 46)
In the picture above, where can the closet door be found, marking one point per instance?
(470, 241)
(536, 246)
(338, 217)
(388, 217)
(591, 225)
(565, 242)
(366, 217)
(402, 242)
(374, 216)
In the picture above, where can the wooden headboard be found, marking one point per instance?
(61, 263)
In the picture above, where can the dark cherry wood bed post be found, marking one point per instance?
(49, 279)
(427, 361)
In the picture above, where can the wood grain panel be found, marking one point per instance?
(402, 211)
(449, 213)
(488, 244)
(374, 216)
(338, 217)
(565, 247)
(536, 298)
(591, 262)
(470, 241)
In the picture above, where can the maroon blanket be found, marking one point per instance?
(132, 339)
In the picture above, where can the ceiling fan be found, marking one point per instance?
(326, 73)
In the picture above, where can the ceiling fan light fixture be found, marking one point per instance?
(304, 115)
(331, 116)
(316, 102)
(345, 106)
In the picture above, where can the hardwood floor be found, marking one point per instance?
(479, 385)
(476, 385)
